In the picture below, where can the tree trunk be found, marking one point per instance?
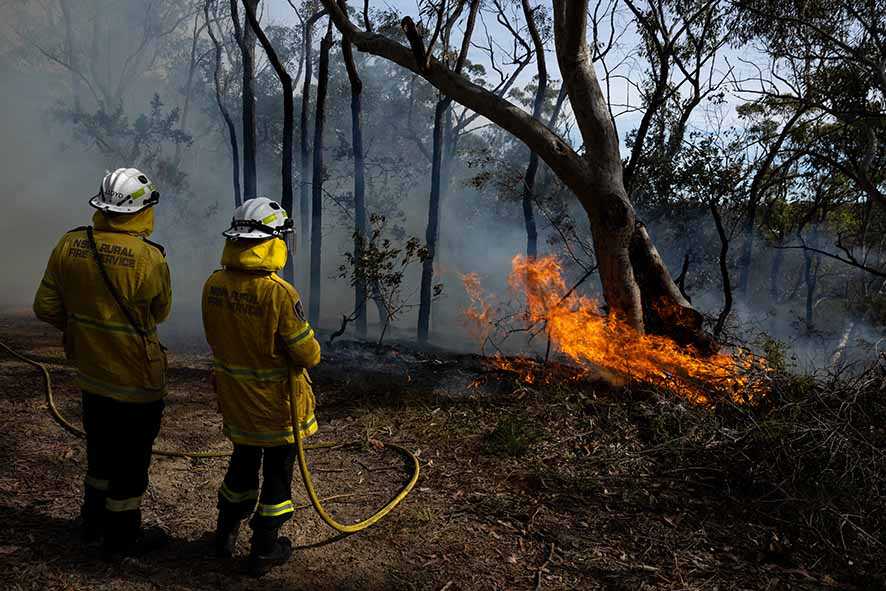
(754, 196)
(775, 275)
(317, 187)
(537, 105)
(360, 291)
(245, 37)
(304, 207)
(633, 277)
(286, 83)
(810, 276)
(226, 115)
(71, 52)
(724, 270)
(432, 231)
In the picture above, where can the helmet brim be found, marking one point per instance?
(108, 208)
(253, 235)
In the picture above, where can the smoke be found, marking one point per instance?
(49, 173)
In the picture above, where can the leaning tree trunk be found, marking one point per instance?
(636, 284)
(286, 83)
(317, 186)
(246, 41)
(360, 290)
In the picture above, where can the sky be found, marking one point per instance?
(627, 69)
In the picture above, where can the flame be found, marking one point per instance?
(578, 329)
(479, 315)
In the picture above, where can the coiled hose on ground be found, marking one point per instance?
(300, 445)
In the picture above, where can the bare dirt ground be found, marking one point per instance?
(548, 487)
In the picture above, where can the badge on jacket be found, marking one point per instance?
(299, 311)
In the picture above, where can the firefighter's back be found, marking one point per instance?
(113, 358)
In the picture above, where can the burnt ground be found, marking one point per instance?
(523, 487)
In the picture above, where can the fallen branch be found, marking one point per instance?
(541, 569)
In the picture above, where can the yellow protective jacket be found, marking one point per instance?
(112, 358)
(262, 346)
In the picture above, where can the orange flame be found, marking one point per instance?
(579, 330)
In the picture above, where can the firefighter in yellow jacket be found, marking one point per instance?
(107, 287)
(262, 346)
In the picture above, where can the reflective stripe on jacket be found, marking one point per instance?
(112, 358)
(262, 346)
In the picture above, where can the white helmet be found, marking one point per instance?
(259, 218)
(126, 190)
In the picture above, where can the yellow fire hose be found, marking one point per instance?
(300, 446)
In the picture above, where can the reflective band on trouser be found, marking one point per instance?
(275, 510)
(237, 497)
(120, 505)
(97, 483)
(302, 336)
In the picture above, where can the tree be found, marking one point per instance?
(288, 118)
(442, 132)
(317, 185)
(360, 291)
(636, 284)
(246, 41)
(220, 89)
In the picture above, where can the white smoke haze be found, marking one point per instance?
(49, 174)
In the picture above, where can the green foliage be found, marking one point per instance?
(385, 259)
(774, 351)
(513, 436)
(142, 143)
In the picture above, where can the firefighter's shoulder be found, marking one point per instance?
(77, 229)
(284, 286)
(156, 245)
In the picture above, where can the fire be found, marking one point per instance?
(579, 330)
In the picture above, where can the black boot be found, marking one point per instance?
(92, 517)
(268, 551)
(226, 532)
(132, 542)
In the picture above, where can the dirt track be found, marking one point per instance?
(507, 498)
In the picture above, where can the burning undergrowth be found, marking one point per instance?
(575, 329)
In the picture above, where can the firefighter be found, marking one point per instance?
(262, 347)
(107, 287)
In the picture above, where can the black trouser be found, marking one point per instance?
(119, 437)
(239, 490)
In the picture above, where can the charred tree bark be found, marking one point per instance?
(633, 276)
(288, 113)
(360, 291)
(223, 109)
(246, 41)
(538, 104)
(724, 270)
(432, 231)
(317, 186)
